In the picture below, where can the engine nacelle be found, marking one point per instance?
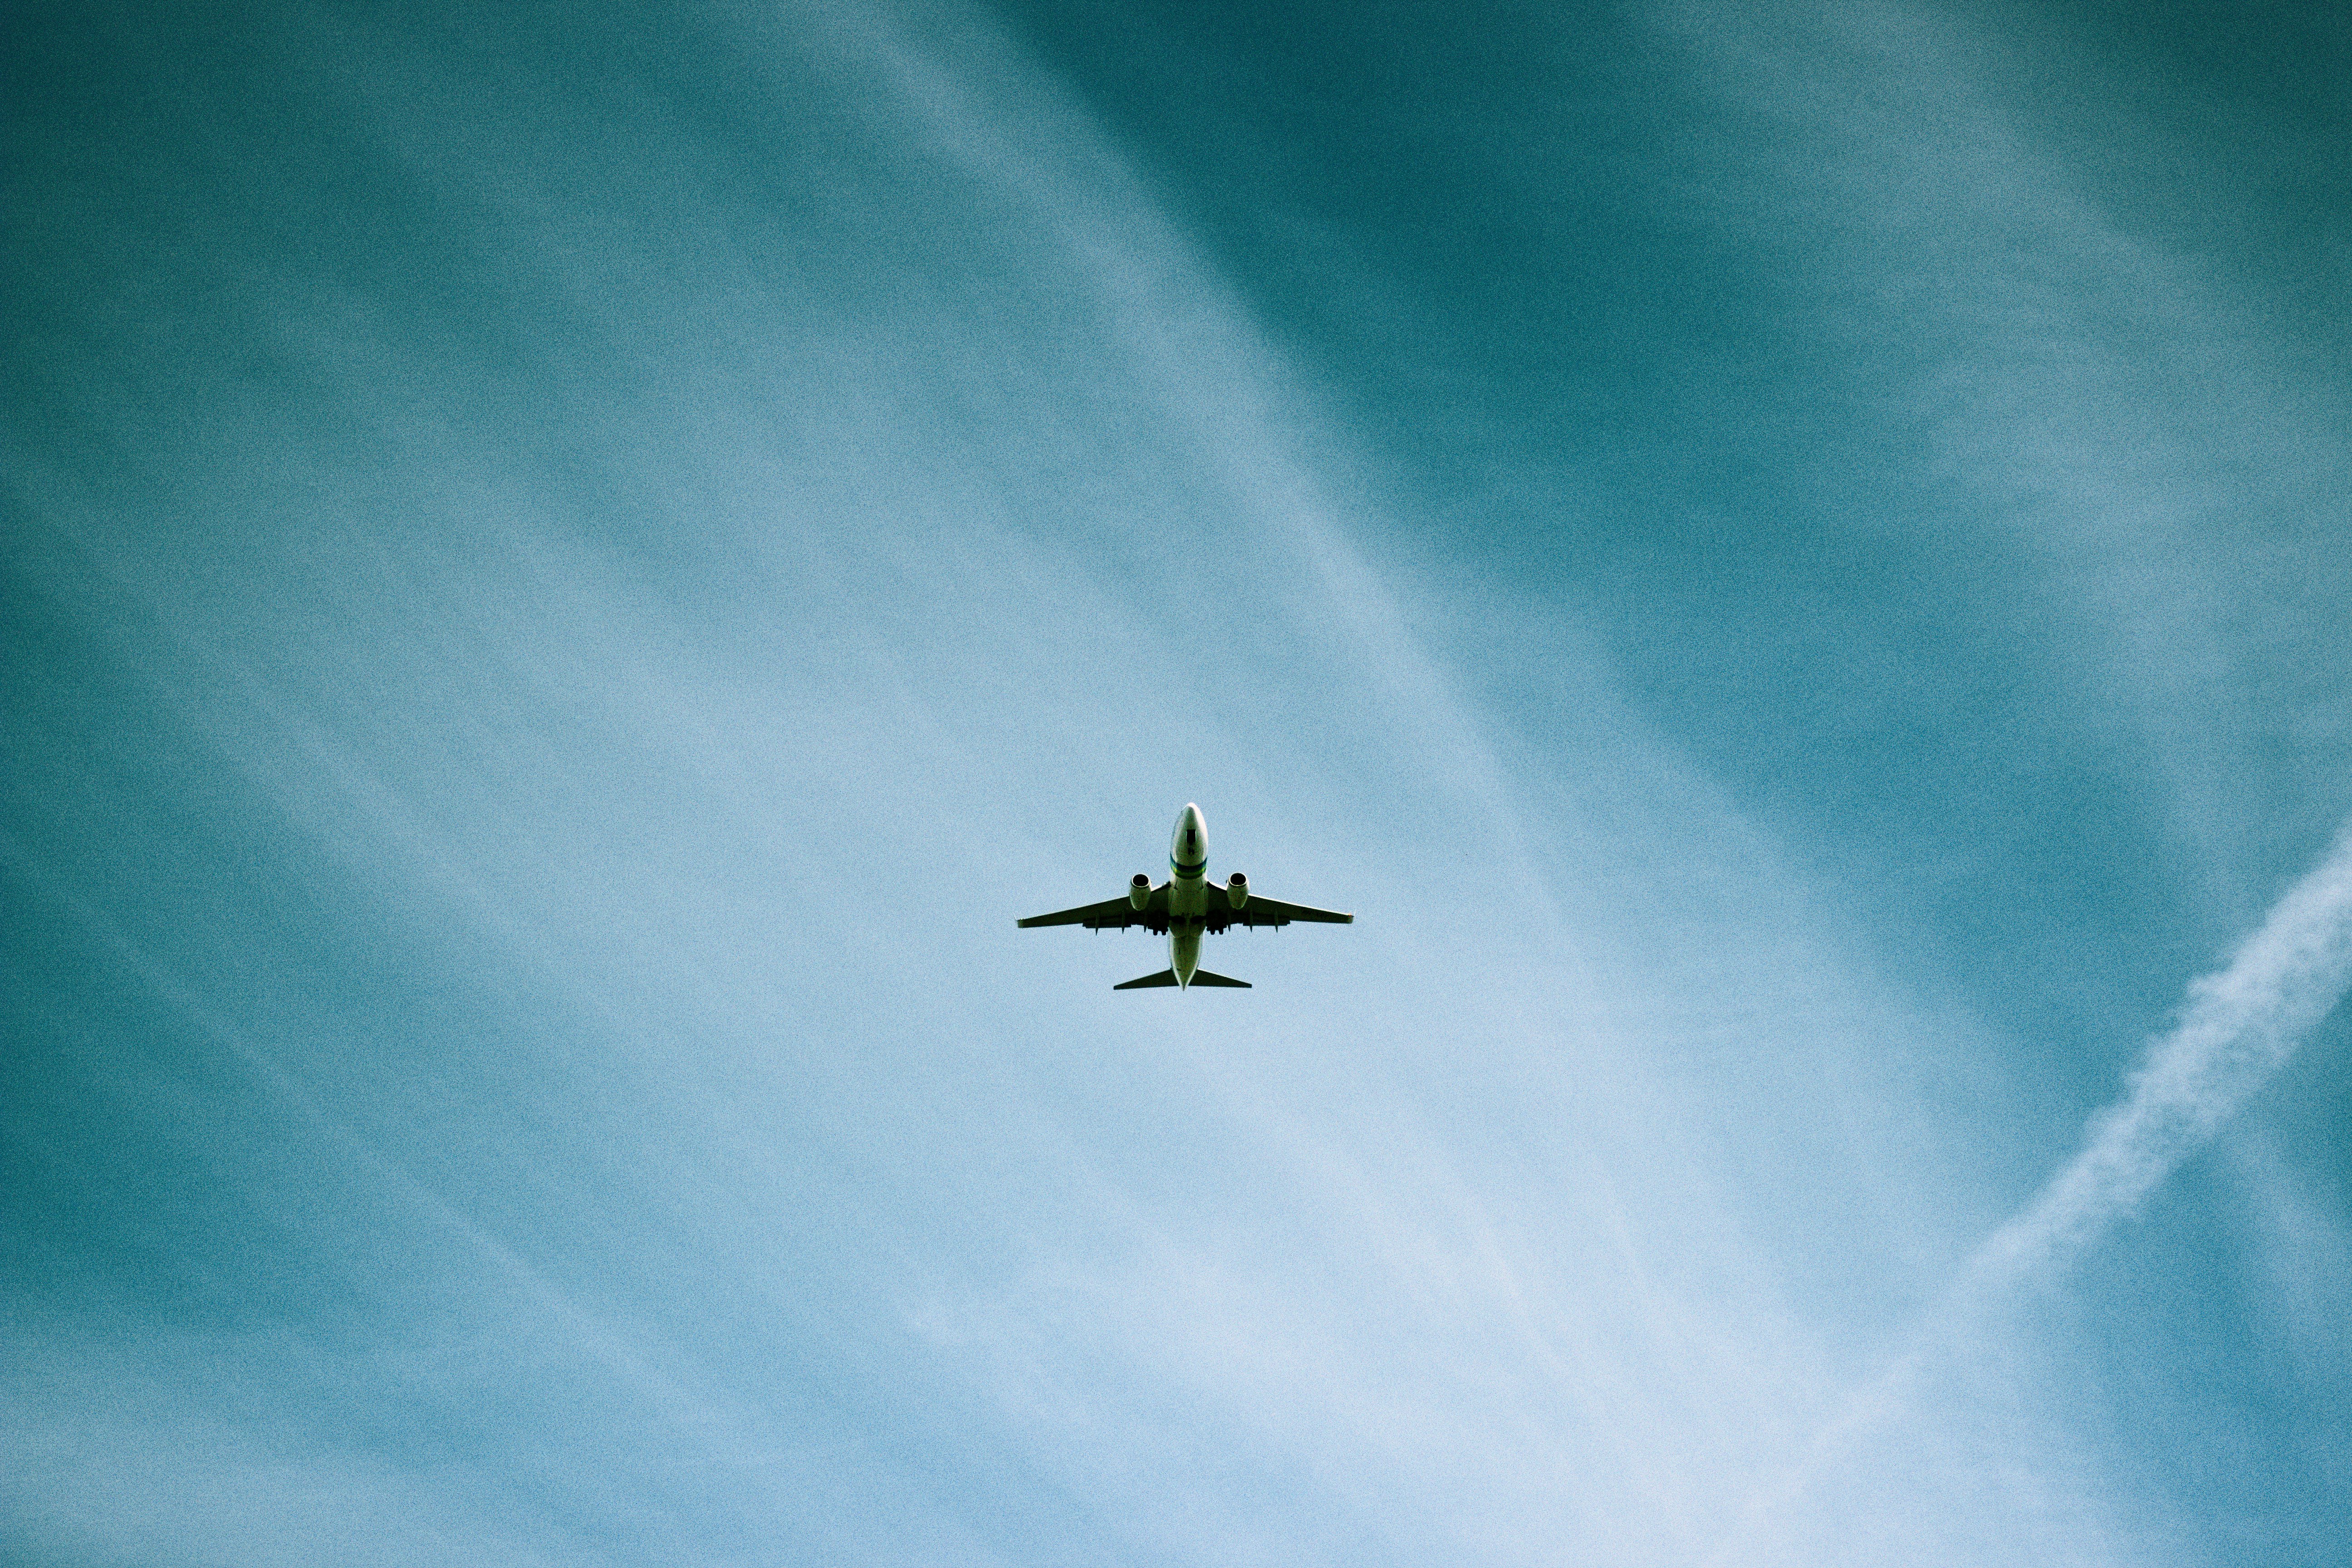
(1237, 889)
(1138, 890)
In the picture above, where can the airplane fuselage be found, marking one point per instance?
(1188, 892)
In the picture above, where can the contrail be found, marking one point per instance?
(2238, 1026)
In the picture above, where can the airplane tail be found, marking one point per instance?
(1168, 977)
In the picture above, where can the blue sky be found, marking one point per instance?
(569, 575)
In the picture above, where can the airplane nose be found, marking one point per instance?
(1191, 834)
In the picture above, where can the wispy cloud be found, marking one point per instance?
(2088, 393)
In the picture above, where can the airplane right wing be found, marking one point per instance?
(1111, 914)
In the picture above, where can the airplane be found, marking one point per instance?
(1184, 905)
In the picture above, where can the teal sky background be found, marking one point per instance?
(571, 571)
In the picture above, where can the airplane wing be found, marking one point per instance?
(1118, 914)
(1263, 911)
(1111, 914)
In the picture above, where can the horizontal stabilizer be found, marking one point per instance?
(1168, 977)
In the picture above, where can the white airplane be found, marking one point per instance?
(1184, 905)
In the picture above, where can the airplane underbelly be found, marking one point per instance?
(1188, 896)
(1188, 901)
(1184, 951)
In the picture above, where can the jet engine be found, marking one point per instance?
(1237, 889)
(1138, 890)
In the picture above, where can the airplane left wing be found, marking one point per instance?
(1264, 912)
